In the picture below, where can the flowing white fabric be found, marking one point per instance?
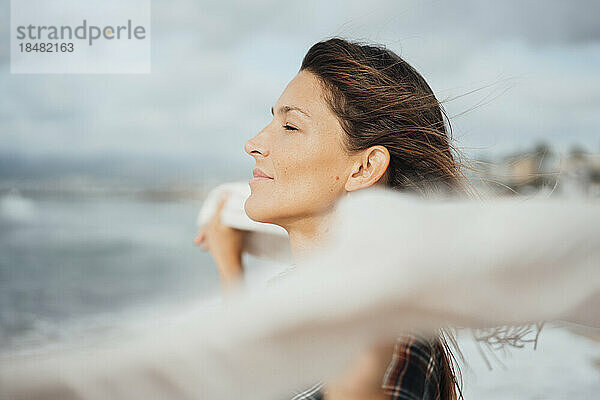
(397, 263)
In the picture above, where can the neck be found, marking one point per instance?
(309, 234)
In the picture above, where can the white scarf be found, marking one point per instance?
(398, 263)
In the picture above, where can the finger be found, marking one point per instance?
(199, 238)
(222, 202)
(217, 217)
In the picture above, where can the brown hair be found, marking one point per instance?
(380, 99)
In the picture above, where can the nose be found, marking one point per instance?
(254, 147)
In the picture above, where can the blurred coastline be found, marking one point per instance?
(159, 178)
(145, 177)
(540, 169)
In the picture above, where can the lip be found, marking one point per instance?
(258, 174)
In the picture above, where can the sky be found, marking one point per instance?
(510, 73)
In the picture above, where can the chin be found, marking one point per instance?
(257, 210)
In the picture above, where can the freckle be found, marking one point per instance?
(337, 178)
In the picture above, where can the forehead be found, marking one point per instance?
(304, 91)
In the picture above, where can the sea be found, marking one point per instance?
(79, 264)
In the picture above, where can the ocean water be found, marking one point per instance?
(82, 265)
(73, 264)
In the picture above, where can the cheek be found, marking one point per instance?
(309, 182)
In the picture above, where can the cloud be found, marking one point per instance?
(217, 67)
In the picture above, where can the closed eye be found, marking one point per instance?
(289, 128)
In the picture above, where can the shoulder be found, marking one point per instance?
(415, 369)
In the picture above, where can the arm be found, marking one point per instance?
(225, 246)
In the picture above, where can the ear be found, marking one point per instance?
(370, 166)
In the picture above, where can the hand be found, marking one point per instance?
(225, 246)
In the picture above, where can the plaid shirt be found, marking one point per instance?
(413, 373)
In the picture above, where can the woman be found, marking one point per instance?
(355, 116)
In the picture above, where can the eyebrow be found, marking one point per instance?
(285, 109)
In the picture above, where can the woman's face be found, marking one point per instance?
(302, 154)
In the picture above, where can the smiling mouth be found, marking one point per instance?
(260, 178)
(259, 175)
